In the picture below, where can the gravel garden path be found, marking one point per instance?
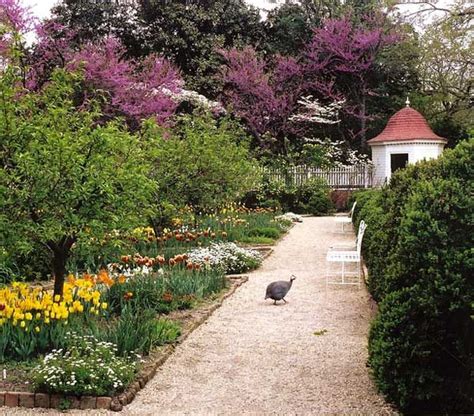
(254, 358)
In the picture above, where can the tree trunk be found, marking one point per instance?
(61, 252)
(158, 229)
(59, 270)
(363, 125)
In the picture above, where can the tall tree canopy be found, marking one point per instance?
(187, 33)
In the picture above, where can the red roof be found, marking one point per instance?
(406, 124)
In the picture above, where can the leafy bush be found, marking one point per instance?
(269, 232)
(419, 252)
(312, 197)
(226, 256)
(203, 165)
(86, 367)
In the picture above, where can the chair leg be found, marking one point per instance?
(359, 273)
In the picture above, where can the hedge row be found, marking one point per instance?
(419, 250)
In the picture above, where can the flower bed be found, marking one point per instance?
(131, 307)
(188, 321)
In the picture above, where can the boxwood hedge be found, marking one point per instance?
(419, 251)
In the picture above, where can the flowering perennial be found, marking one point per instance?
(227, 256)
(31, 308)
(86, 366)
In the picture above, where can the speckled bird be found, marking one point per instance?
(278, 290)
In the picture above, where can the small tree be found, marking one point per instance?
(64, 176)
(203, 165)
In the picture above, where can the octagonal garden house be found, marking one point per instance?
(407, 138)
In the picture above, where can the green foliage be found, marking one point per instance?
(138, 331)
(287, 29)
(66, 178)
(419, 253)
(188, 33)
(23, 343)
(204, 165)
(86, 367)
(164, 293)
(269, 232)
(312, 197)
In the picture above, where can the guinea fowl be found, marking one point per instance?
(278, 290)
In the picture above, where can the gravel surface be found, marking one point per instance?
(254, 358)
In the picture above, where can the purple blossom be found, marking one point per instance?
(14, 20)
(136, 89)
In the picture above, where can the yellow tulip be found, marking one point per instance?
(22, 324)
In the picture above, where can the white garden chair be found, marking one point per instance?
(346, 218)
(345, 255)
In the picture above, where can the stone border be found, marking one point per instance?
(146, 373)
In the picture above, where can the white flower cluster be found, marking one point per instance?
(194, 98)
(88, 366)
(314, 112)
(227, 256)
(116, 269)
(289, 216)
(339, 154)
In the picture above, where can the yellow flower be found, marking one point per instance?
(57, 298)
(46, 320)
(38, 315)
(28, 316)
(37, 329)
(22, 324)
(104, 305)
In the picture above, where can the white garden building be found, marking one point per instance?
(407, 138)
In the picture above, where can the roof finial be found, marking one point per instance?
(407, 102)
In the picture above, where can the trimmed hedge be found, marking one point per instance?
(419, 251)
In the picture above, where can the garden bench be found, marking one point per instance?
(345, 218)
(344, 255)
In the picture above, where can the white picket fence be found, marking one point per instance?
(352, 177)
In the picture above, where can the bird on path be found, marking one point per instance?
(278, 290)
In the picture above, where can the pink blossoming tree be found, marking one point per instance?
(338, 65)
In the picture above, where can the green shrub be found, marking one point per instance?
(86, 367)
(418, 247)
(401, 347)
(312, 197)
(376, 244)
(269, 232)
